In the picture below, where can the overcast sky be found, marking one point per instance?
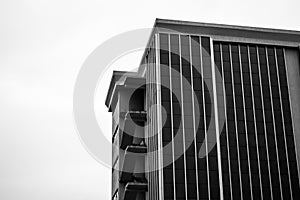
(43, 44)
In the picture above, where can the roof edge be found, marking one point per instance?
(216, 25)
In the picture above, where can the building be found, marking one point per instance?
(212, 113)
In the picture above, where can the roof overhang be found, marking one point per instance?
(119, 81)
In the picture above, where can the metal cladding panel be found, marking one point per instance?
(257, 157)
(189, 128)
(152, 124)
(259, 135)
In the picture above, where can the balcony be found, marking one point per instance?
(133, 188)
(133, 155)
(131, 120)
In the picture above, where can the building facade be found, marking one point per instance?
(212, 113)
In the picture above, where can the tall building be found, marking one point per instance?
(213, 112)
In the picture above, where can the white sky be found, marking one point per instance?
(43, 44)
